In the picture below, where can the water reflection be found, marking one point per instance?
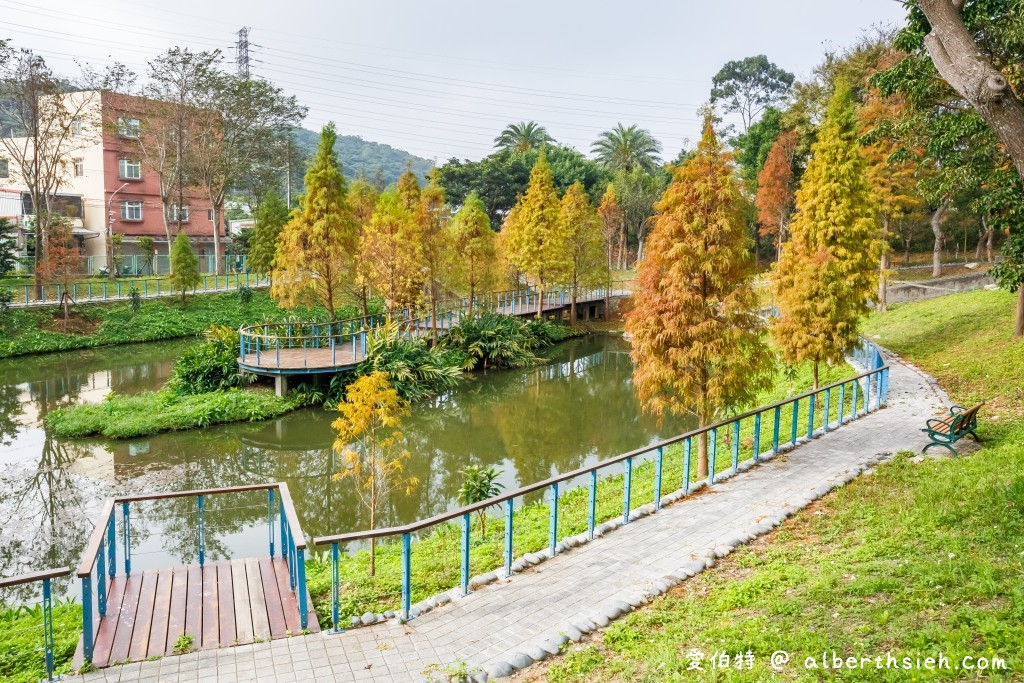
(576, 407)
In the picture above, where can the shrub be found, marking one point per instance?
(135, 300)
(210, 366)
(414, 369)
(494, 340)
(245, 294)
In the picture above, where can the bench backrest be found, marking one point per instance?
(966, 419)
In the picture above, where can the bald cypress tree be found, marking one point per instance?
(698, 343)
(826, 275)
(586, 243)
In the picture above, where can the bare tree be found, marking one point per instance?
(46, 119)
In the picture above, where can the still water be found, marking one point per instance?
(575, 407)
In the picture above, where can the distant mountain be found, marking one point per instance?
(362, 157)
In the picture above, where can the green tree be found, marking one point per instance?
(369, 444)
(627, 148)
(315, 258)
(432, 215)
(522, 137)
(826, 275)
(747, 86)
(362, 196)
(479, 484)
(535, 240)
(147, 249)
(271, 216)
(752, 147)
(184, 265)
(637, 191)
(698, 343)
(8, 247)
(474, 266)
(392, 252)
(586, 243)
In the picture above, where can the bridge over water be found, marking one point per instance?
(283, 350)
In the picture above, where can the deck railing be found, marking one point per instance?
(44, 578)
(868, 392)
(99, 563)
(105, 290)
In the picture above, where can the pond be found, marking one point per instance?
(574, 408)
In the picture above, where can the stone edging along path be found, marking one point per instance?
(512, 623)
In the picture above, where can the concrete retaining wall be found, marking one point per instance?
(902, 292)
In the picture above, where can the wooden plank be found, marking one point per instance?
(105, 633)
(257, 600)
(226, 598)
(126, 619)
(288, 602)
(176, 608)
(161, 614)
(144, 617)
(275, 609)
(211, 607)
(194, 605)
(243, 613)
(312, 623)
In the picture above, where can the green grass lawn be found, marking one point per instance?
(917, 559)
(22, 658)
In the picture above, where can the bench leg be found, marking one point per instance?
(972, 434)
(943, 445)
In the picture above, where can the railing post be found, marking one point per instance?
(406, 575)
(775, 430)
(657, 477)
(101, 583)
(592, 505)
(201, 530)
(841, 406)
(509, 516)
(48, 628)
(757, 437)
(87, 628)
(627, 490)
(270, 519)
(336, 590)
(735, 446)
(828, 401)
(853, 397)
(553, 536)
(111, 545)
(810, 418)
(466, 522)
(795, 422)
(712, 452)
(303, 605)
(126, 529)
(687, 448)
(281, 518)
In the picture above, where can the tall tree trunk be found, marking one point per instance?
(883, 283)
(815, 374)
(989, 234)
(1019, 330)
(936, 223)
(364, 300)
(572, 307)
(540, 301)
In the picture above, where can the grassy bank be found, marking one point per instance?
(436, 554)
(919, 558)
(152, 412)
(21, 647)
(40, 330)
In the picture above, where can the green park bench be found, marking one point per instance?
(946, 432)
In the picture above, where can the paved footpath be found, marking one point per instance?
(507, 621)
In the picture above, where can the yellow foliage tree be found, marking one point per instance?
(535, 240)
(315, 260)
(586, 242)
(826, 276)
(392, 253)
(432, 216)
(474, 265)
(698, 342)
(362, 197)
(370, 445)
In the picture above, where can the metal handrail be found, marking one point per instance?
(45, 577)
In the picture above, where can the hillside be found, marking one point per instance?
(362, 157)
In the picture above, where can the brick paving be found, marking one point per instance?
(513, 615)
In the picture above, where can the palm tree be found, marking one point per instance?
(522, 137)
(625, 149)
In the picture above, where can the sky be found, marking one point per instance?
(441, 79)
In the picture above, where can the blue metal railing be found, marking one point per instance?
(869, 391)
(107, 290)
(45, 578)
(99, 564)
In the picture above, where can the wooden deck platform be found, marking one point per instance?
(311, 359)
(221, 604)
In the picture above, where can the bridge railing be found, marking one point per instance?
(44, 578)
(827, 408)
(100, 565)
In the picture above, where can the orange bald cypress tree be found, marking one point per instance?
(698, 344)
(774, 199)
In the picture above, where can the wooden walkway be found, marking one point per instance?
(220, 605)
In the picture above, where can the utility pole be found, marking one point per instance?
(242, 52)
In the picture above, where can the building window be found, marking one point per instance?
(5, 171)
(128, 128)
(173, 213)
(209, 214)
(130, 169)
(79, 168)
(76, 127)
(131, 211)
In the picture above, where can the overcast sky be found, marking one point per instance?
(441, 79)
